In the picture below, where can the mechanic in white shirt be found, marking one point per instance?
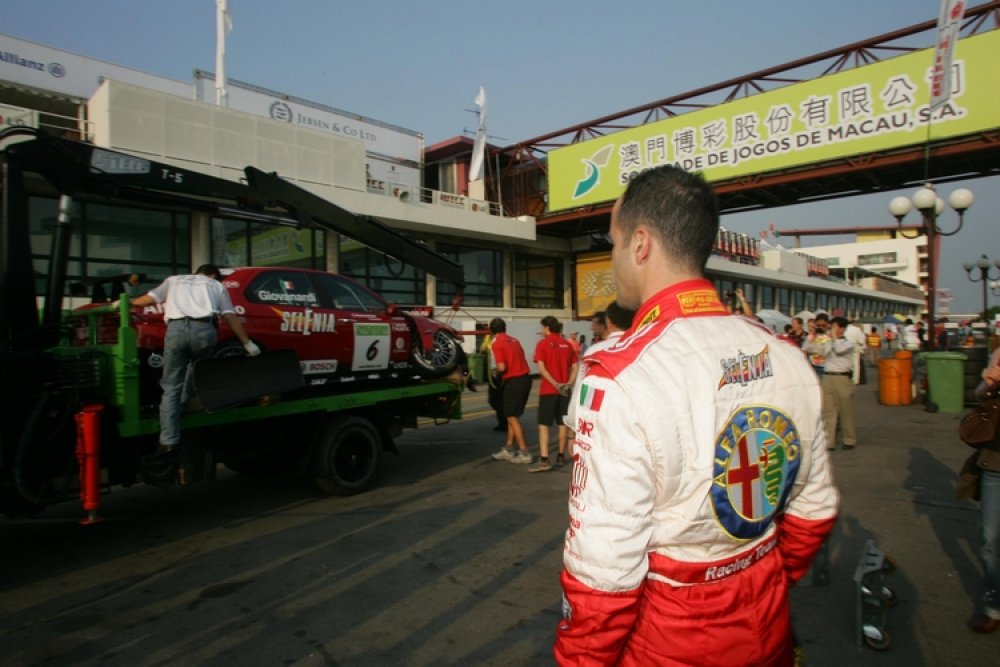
(193, 305)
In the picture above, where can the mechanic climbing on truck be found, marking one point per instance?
(194, 303)
(77, 412)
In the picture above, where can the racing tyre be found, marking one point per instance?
(346, 457)
(441, 359)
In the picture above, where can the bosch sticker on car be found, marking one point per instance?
(371, 347)
(756, 461)
(318, 366)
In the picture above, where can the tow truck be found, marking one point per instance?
(71, 420)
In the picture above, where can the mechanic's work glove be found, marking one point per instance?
(251, 348)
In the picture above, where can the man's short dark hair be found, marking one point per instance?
(601, 317)
(841, 321)
(822, 317)
(210, 270)
(497, 325)
(681, 209)
(620, 317)
(552, 324)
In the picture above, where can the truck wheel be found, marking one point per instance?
(347, 456)
(441, 359)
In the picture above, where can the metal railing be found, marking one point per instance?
(417, 194)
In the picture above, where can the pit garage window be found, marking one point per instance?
(242, 243)
(111, 241)
(538, 282)
(392, 279)
(483, 275)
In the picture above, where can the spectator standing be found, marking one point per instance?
(674, 553)
(193, 305)
(874, 342)
(838, 389)
(891, 337)
(814, 342)
(911, 337)
(512, 368)
(798, 334)
(599, 326)
(574, 342)
(557, 364)
(854, 334)
(494, 384)
(989, 499)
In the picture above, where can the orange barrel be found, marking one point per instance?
(902, 354)
(894, 379)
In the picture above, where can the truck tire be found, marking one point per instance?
(346, 456)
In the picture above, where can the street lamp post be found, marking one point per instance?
(931, 206)
(983, 264)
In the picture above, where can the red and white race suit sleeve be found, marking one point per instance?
(610, 526)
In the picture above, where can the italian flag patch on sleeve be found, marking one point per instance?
(591, 398)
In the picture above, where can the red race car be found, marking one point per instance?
(340, 330)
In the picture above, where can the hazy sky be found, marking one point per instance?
(546, 65)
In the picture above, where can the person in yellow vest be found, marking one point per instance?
(874, 342)
(494, 395)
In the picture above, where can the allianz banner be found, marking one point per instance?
(878, 107)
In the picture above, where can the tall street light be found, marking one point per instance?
(931, 206)
(983, 264)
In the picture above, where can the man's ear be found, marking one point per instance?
(641, 244)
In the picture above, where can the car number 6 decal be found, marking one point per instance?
(371, 347)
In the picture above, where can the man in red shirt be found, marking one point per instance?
(557, 364)
(512, 370)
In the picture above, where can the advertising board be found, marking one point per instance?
(395, 154)
(878, 107)
(56, 71)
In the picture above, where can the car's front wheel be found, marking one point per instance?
(440, 359)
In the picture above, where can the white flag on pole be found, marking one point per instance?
(949, 22)
(223, 24)
(479, 146)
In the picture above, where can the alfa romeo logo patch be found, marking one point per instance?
(756, 461)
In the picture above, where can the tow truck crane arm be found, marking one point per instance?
(76, 168)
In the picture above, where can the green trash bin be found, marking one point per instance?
(946, 380)
(477, 367)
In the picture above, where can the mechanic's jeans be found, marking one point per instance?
(990, 551)
(187, 341)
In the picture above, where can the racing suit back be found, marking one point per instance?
(700, 490)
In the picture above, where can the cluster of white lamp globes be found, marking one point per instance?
(926, 201)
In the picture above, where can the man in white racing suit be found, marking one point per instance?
(701, 487)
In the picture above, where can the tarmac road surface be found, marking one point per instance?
(452, 560)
